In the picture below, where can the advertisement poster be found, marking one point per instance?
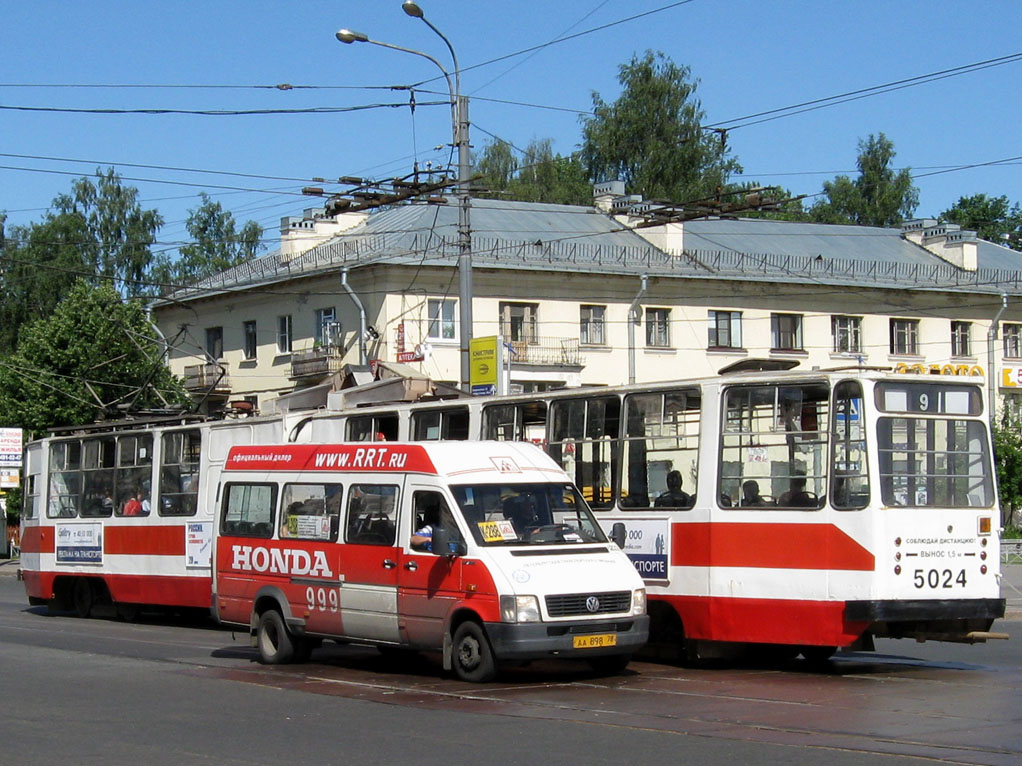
(10, 447)
(647, 545)
(79, 544)
(199, 544)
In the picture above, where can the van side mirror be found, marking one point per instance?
(619, 534)
(442, 546)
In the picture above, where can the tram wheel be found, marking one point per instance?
(83, 596)
(817, 655)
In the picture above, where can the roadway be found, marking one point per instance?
(172, 691)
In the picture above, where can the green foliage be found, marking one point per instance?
(879, 196)
(13, 499)
(216, 245)
(540, 176)
(652, 138)
(120, 233)
(1008, 453)
(990, 217)
(96, 354)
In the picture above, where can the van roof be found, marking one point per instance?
(458, 461)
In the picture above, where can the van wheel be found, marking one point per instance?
(276, 646)
(472, 656)
(610, 665)
(83, 596)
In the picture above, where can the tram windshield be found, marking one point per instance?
(515, 514)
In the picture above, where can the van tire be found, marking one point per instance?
(83, 596)
(471, 654)
(276, 647)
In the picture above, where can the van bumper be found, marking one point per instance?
(535, 640)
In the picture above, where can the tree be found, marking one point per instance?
(1008, 454)
(96, 355)
(120, 232)
(216, 245)
(38, 265)
(878, 197)
(541, 176)
(990, 217)
(652, 137)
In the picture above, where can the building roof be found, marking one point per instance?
(540, 236)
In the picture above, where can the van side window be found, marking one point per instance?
(372, 511)
(310, 511)
(429, 509)
(248, 510)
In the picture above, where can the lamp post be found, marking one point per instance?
(459, 126)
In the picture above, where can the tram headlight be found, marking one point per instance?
(519, 609)
(639, 601)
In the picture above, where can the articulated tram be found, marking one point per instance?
(801, 510)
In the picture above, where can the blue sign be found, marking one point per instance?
(487, 389)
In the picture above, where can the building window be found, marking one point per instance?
(519, 322)
(251, 342)
(1013, 341)
(905, 336)
(847, 333)
(658, 328)
(960, 344)
(590, 325)
(441, 319)
(725, 328)
(786, 331)
(215, 342)
(284, 334)
(328, 330)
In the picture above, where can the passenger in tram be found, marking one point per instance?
(133, 507)
(750, 495)
(674, 497)
(797, 496)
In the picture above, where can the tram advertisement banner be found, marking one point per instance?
(79, 543)
(647, 543)
(199, 544)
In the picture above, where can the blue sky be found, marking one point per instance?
(750, 56)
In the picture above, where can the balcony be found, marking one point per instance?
(316, 362)
(211, 378)
(561, 352)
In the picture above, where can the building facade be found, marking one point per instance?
(592, 296)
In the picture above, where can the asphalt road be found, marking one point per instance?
(167, 691)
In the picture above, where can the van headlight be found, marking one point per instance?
(519, 609)
(639, 601)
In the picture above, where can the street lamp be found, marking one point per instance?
(459, 125)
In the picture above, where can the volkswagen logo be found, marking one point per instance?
(593, 604)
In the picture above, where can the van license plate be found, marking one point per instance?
(594, 641)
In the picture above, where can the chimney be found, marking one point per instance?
(299, 235)
(947, 241)
(604, 194)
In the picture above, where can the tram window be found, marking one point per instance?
(179, 473)
(373, 428)
(934, 462)
(525, 421)
(372, 513)
(311, 511)
(30, 502)
(774, 446)
(583, 441)
(65, 479)
(849, 480)
(98, 477)
(248, 510)
(437, 425)
(133, 477)
(661, 450)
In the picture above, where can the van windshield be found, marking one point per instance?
(516, 514)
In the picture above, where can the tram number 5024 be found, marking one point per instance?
(938, 578)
